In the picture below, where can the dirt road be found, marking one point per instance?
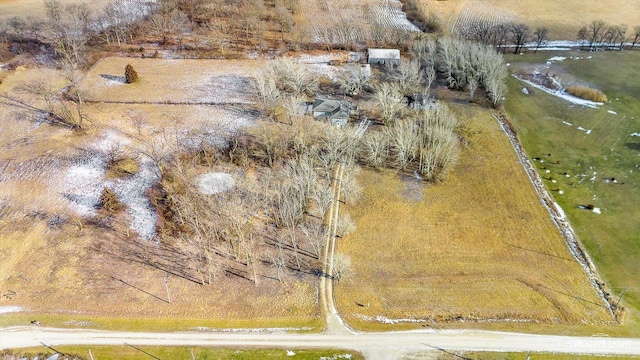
(391, 345)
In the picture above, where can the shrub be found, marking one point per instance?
(109, 201)
(587, 93)
(122, 167)
(130, 74)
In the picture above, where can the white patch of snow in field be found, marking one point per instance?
(10, 309)
(555, 58)
(563, 95)
(85, 181)
(525, 91)
(597, 210)
(567, 123)
(612, 112)
(291, 353)
(131, 191)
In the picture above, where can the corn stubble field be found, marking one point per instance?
(477, 247)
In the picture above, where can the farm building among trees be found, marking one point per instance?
(384, 56)
(337, 111)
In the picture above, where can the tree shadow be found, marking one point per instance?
(116, 78)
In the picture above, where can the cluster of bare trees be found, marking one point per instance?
(284, 84)
(503, 34)
(424, 140)
(600, 35)
(467, 65)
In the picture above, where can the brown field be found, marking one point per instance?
(67, 269)
(35, 8)
(477, 247)
(172, 81)
(563, 18)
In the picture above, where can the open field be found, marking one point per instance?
(478, 247)
(172, 81)
(563, 18)
(145, 352)
(36, 9)
(66, 263)
(610, 151)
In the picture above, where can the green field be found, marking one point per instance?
(612, 238)
(151, 352)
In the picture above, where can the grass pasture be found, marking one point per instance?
(563, 18)
(479, 246)
(592, 160)
(69, 268)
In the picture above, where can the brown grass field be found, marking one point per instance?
(477, 247)
(68, 270)
(563, 18)
(35, 8)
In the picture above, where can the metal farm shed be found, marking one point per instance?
(384, 56)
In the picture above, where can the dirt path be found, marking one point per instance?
(333, 323)
(391, 345)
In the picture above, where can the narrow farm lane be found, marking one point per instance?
(333, 323)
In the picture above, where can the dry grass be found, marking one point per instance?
(477, 246)
(171, 81)
(67, 269)
(563, 18)
(587, 93)
(35, 8)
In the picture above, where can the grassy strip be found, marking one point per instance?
(529, 356)
(149, 352)
(155, 324)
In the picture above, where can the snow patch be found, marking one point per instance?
(290, 353)
(525, 91)
(10, 309)
(555, 58)
(563, 95)
(597, 210)
(612, 112)
(213, 183)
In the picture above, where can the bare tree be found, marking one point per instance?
(541, 36)
(341, 267)
(407, 77)
(390, 100)
(68, 30)
(520, 33)
(595, 32)
(636, 36)
(615, 36)
(353, 79)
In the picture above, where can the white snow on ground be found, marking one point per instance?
(563, 95)
(319, 64)
(131, 192)
(612, 112)
(85, 181)
(213, 183)
(525, 91)
(555, 58)
(597, 210)
(10, 309)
